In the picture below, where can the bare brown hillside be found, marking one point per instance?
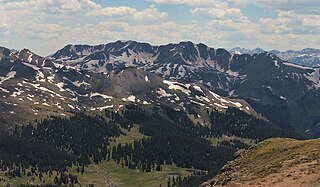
(276, 162)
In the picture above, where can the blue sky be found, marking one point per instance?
(45, 26)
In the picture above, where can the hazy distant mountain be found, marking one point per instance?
(306, 57)
(238, 50)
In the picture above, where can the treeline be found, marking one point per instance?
(17, 155)
(235, 122)
(173, 139)
(55, 144)
(149, 154)
(197, 178)
(84, 137)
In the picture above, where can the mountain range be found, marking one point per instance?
(306, 57)
(33, 87)
(285, 93)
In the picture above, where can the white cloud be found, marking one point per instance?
(289, 22)
(113, 11)
(219, 11)
(47, 31)
(154, 33)
(49, 6)
(305, 6)
(4, 21)
(151, 13)
(297, 6)
(187, 2)
(230, 25)
(114, 26)
(311, 21)
(274, 26)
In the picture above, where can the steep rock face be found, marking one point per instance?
(279, 89)
(273, 162)
(4, 52)
(287, 94)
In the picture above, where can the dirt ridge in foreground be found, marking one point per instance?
(274, 162)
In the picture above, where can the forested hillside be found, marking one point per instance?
(46, 152)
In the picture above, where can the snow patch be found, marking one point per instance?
(60, 86)
(10, 75)
(276, 63)
(216, 96)
(15, 94)
(198, 88)
(79, 84)
(37, 86)
(163, 93)
(297, 66)
(221, 106)
(146, 79)
(71, 106)
(177, 86)
(105, 107)
(195, 102)
(283, 98)
(203, 99)
(100, 95)
(119, 108)
(131, 98)
(4, 90)
(232, 73)
(237, 104)
(30, 57)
